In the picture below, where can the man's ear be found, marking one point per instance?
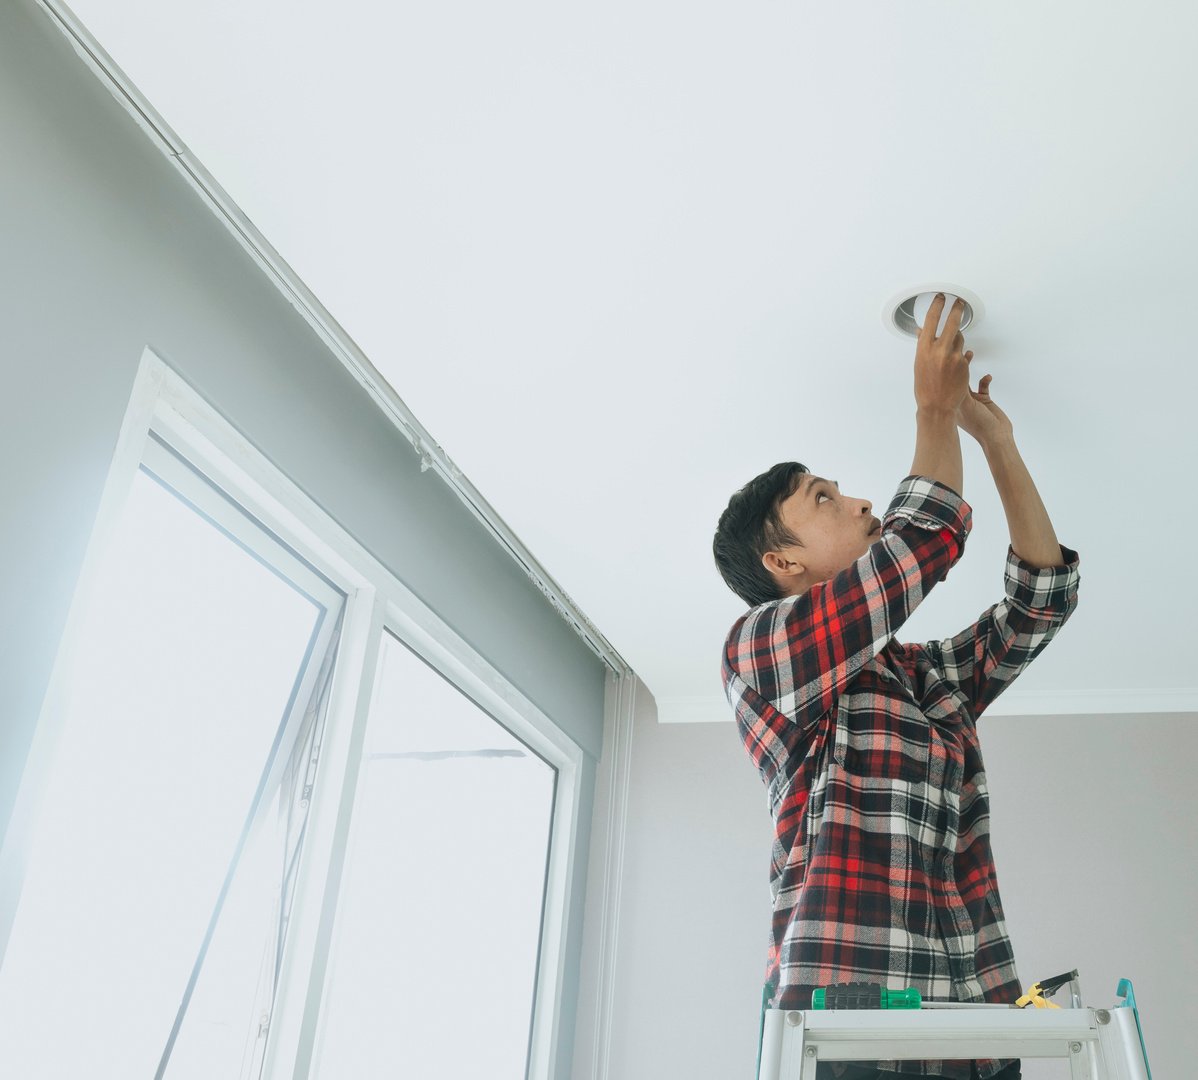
(781, 564)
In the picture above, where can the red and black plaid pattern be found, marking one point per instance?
(881, 869)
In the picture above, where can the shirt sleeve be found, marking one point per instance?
(985, 659)
(799, 653)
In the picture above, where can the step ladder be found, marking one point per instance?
(1100, 1044)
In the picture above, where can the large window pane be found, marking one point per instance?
(188, 656)
(434, 961)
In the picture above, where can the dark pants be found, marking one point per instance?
(824, 1071)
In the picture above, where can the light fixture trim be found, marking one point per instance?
(898, 313)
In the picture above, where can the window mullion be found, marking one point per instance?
(317, 876)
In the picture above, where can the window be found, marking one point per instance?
(279, 818)
(160, 849)
(442, 900)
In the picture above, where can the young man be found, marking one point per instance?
(881, 869)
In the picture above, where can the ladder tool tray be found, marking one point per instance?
(864, 1022)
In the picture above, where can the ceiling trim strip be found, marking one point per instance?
(318, 317)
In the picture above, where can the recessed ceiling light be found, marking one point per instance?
(903, 313)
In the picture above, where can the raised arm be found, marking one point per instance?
(1032, 536)
(941, 385)
(938, 448)
(1041, 576)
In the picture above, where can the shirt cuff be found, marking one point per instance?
(925, 502)
(1049, 588)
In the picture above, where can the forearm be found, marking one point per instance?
(1032, 535)
(938, 448)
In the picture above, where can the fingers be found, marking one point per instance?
(953, 323)
(932, 319)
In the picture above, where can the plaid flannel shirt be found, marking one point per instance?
(881, 869)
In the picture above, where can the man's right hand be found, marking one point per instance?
(941, 371)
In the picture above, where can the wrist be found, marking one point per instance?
(997, 444)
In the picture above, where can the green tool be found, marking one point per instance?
(863, 995)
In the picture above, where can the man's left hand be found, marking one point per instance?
(980, 417)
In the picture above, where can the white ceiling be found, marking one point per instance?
(620, 259)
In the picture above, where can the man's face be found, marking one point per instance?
(835, 529)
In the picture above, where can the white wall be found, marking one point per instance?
(1096, 848)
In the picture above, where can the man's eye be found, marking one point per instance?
(821, 495)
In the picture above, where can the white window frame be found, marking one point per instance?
(377, 602)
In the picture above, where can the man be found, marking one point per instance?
(881, 868)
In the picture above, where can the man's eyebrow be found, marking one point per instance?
(817, 480)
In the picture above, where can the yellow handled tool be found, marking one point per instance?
(1044, 989)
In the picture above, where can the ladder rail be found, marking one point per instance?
(1100, 1044)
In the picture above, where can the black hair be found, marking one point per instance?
(752, 525)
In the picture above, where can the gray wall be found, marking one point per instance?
(104, 249)
(1096, 848)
